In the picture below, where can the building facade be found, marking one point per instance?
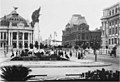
(15, 32)
(111, 26)
(77, 32)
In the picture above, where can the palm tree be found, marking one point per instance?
(15, 73)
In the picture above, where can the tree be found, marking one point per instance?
(76, 47)
(41, 46)
(95, 46)
(36, 44)
(84, 46)
(31, 46)
(15, 73)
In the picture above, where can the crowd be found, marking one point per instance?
(65, 53)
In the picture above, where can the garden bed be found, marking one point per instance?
(42, 58)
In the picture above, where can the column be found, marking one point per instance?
(23, 40)
(28, 39)
(11, 38)
(17, 40)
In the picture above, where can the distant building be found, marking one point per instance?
(15, 32)
(111, 26)
(77, 32)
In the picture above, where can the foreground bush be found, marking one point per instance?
(101, 75)
(15, 73)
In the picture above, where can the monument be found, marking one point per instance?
(35, 25)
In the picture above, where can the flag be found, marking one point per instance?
(55, 33)
(50, 36)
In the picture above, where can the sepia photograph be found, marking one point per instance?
(59, 40)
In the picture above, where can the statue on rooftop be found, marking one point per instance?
(35, 16)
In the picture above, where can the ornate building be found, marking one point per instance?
(15, 32)
(77, 32)
(111, 26)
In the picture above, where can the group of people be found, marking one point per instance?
(79, 53)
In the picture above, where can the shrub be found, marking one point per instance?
(15, 73)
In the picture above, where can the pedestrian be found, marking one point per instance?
(12, 54)
(79, 55)
(70, 53)
(5, 53)
(114, 51)
(16, 53)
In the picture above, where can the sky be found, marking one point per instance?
(55, 14)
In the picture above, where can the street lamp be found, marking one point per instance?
(95, 46)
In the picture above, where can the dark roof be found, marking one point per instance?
(14, 18)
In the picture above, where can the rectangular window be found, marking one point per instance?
(20, 35)
(4, 35)
(115, 21)
(25, 36)
(1, 44)
(14, 35)
(1, 35)
(115, 40)
(112, 41)
(109, 41)
(109, 23)
(112, 30)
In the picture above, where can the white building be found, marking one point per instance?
(15, 32)
(111, 26)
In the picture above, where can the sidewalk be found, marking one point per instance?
(3, 57)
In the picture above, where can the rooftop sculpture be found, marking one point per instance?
(35, 16)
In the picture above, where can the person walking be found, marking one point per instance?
(12, 54)
(114, 51)
(70, 53)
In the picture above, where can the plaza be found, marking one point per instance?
(27, 53)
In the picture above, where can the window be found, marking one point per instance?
(112, 30)
(115, 39)
(20, 35)
(116, 30)
(109, 41)
(110, 13)
(26, 45)
(112, 41)
(4, 35)
(26, 36)
(1, 35)
(20, 44)
(109, 31)
(14, 35)
(1, 44)
(112, 22)
(115, 21)
(109, 23)
(116, 10)
(14, 45)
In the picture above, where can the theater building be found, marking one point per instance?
(77, 32)
(15, 32)
(111, 26)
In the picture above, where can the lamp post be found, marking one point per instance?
(94, 47)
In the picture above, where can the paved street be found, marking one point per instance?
(108, 59)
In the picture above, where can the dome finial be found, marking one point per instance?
(15, 8)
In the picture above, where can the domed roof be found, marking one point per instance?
(14, 18)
